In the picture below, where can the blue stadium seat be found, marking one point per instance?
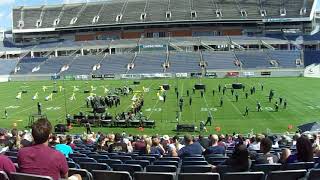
(94, 166)
(111, 175)
(131, 168)
(23, 176)
(161, 168)
(159, 162)
(142, 163)
(243, 175)
(196, 169)
(286, 175)
(153, 176)
(198, 176)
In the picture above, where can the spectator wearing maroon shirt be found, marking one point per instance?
(40, 159)
(6, 164)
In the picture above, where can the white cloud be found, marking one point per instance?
(79, 1)
(6, 2)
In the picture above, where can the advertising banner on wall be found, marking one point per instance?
(181, 75)
(248, 74)
(232, 74)
(266, 73)
(211, 74)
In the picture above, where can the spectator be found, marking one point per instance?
(255, 143)
(191, 148)
(175, 146)
(266, 157)
(70, 142)
(14, 141)
(4, 142)
(118, 145)
(239, 160)
(63, 147)
(284, 155)
(40, 159)
(215, 149)
(156, 147)
(101, 144)
(304, 151)
(204, 142)
(148, 142)
(140, 145)
(6, 165)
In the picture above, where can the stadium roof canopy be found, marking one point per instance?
(115, 13)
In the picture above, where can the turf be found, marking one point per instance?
(302, 95)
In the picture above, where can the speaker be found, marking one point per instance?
(237, 85)
(86, 91)
(166, 86)
(136, 82)
(186, 128)
(199, 86)
(60, 128)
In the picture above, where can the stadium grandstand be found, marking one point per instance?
(142, 48)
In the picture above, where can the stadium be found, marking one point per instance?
(164, 89)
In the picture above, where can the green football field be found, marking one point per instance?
(302, 95)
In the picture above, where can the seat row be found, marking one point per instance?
(103, 175)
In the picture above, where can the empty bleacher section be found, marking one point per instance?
(253, 59)
(285, 59)
(115, 64)
(148, 63)
(69, 12)
(219, 60)
(50, 15)
(181, 10)
(184, 62)
(159, 62)
(111, 9)
(311, 57)
(83, 65)
(156, 10)
(53, 65)
(91, 10)
(26, 65)
(204, 9)
(7, 66)
(31, 18)
(133, 11)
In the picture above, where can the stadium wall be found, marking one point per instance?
(209, 74)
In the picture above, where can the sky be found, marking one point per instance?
(7, 5)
